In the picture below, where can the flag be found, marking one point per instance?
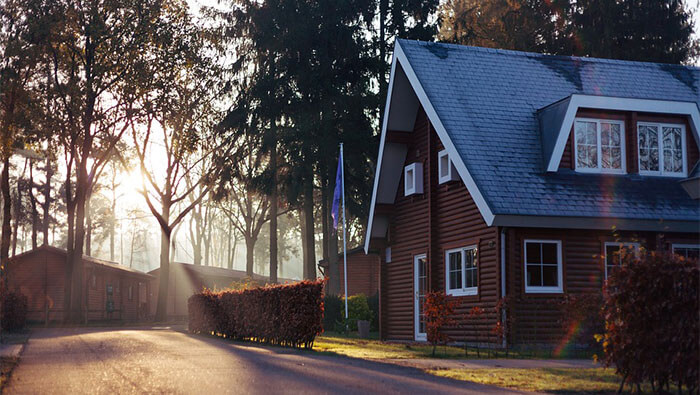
(335, 210)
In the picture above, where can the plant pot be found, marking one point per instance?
(363, 329)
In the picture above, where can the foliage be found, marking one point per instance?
(659, 31)
(358, 309)
(287, 315)
(14, 311)
(651, 320)
(582, 319)
(373, 302)
(333, 311)
(438, 309)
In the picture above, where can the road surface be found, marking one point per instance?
(161, 360)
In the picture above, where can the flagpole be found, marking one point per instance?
(345, 254)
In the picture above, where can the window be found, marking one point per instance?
(613, 251)
(413, 179)
(543, 268)
(600, 146)
(388, 254)
(661, 149)
(461, 272)
(446, 170)
(689, 251)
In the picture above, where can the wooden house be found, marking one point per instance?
(111, 291)
(512, 175)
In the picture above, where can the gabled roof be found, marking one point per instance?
(484, 105)
(86, 258)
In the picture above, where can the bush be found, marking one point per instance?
(582, 319)
(651, 321)
(288, 315)
(14, 311)
(373, 302)
(358, 309)
(439, 310)
(333, 311)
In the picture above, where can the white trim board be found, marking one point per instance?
(401, 60)
(618, 104)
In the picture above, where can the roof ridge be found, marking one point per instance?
(512, 52)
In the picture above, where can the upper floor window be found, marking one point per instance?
(661, 149)
(461, 271)
(543, 266)
(413, 179)
(446, 170)
(600, 145)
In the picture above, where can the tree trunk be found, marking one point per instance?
(17, 216)
(273, 211)
(228, 247)
(233, 253)
(88, 226)
(6, 218)
(164, 277)
(47, 199)
(310, 263)
(81, 188)
(32, 200)
(249, 255)
(207, 241)
(70, 237)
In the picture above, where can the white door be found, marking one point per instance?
(420, 285)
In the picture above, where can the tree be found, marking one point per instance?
(95, 49)
(175, 122)
(658, 31)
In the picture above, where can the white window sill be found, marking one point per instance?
(463, 292)
(543, 290)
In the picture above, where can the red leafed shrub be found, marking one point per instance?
(651, 321)
(438, 309)
(14, 311)
(288, 315)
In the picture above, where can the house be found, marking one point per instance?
(505, 174)
(186, 279)
(112, 291)
(363, 272)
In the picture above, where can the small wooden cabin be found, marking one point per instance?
(185, 279)
(112, 291)
(363, 272)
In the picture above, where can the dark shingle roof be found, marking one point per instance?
(488, 99)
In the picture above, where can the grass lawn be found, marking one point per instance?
(351, 346)
(594, 380)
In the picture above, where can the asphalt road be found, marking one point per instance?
(160, 360)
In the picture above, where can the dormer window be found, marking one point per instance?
(446, 170)
(661, 149)
(413, 179)
(600, 145)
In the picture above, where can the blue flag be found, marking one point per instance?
(335, 210)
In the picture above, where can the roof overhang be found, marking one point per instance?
(557, 119)
(404, 97)
(640, 225)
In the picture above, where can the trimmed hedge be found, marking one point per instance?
(287, 315)
(14, 311)
(652, 327)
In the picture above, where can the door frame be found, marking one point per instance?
(416, 301)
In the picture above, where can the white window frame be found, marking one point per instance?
(636, 246)
(463, 290)
(560, 269)
(683, 245)
(450, 172)
(659, 132)
(418, 336)
(599, 168)
(416, 184)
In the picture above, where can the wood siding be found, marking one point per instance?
(363, 272)
(40, 276)
(443, 217)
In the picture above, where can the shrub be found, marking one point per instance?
(651, 321)
(438, 309)
(582, 319)
(14, 311)
(333, 311)
(288, 315)
(358, 309)
(373, 302)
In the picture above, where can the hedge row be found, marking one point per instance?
(14, 311)
(288, 315)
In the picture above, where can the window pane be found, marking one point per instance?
(586, 144)
(455, 270)
(648, 148)
(549, 253)
(610, 139)
(534, 275)
(673, 149)
(532, 251)
(612, 255)
(550, 277)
